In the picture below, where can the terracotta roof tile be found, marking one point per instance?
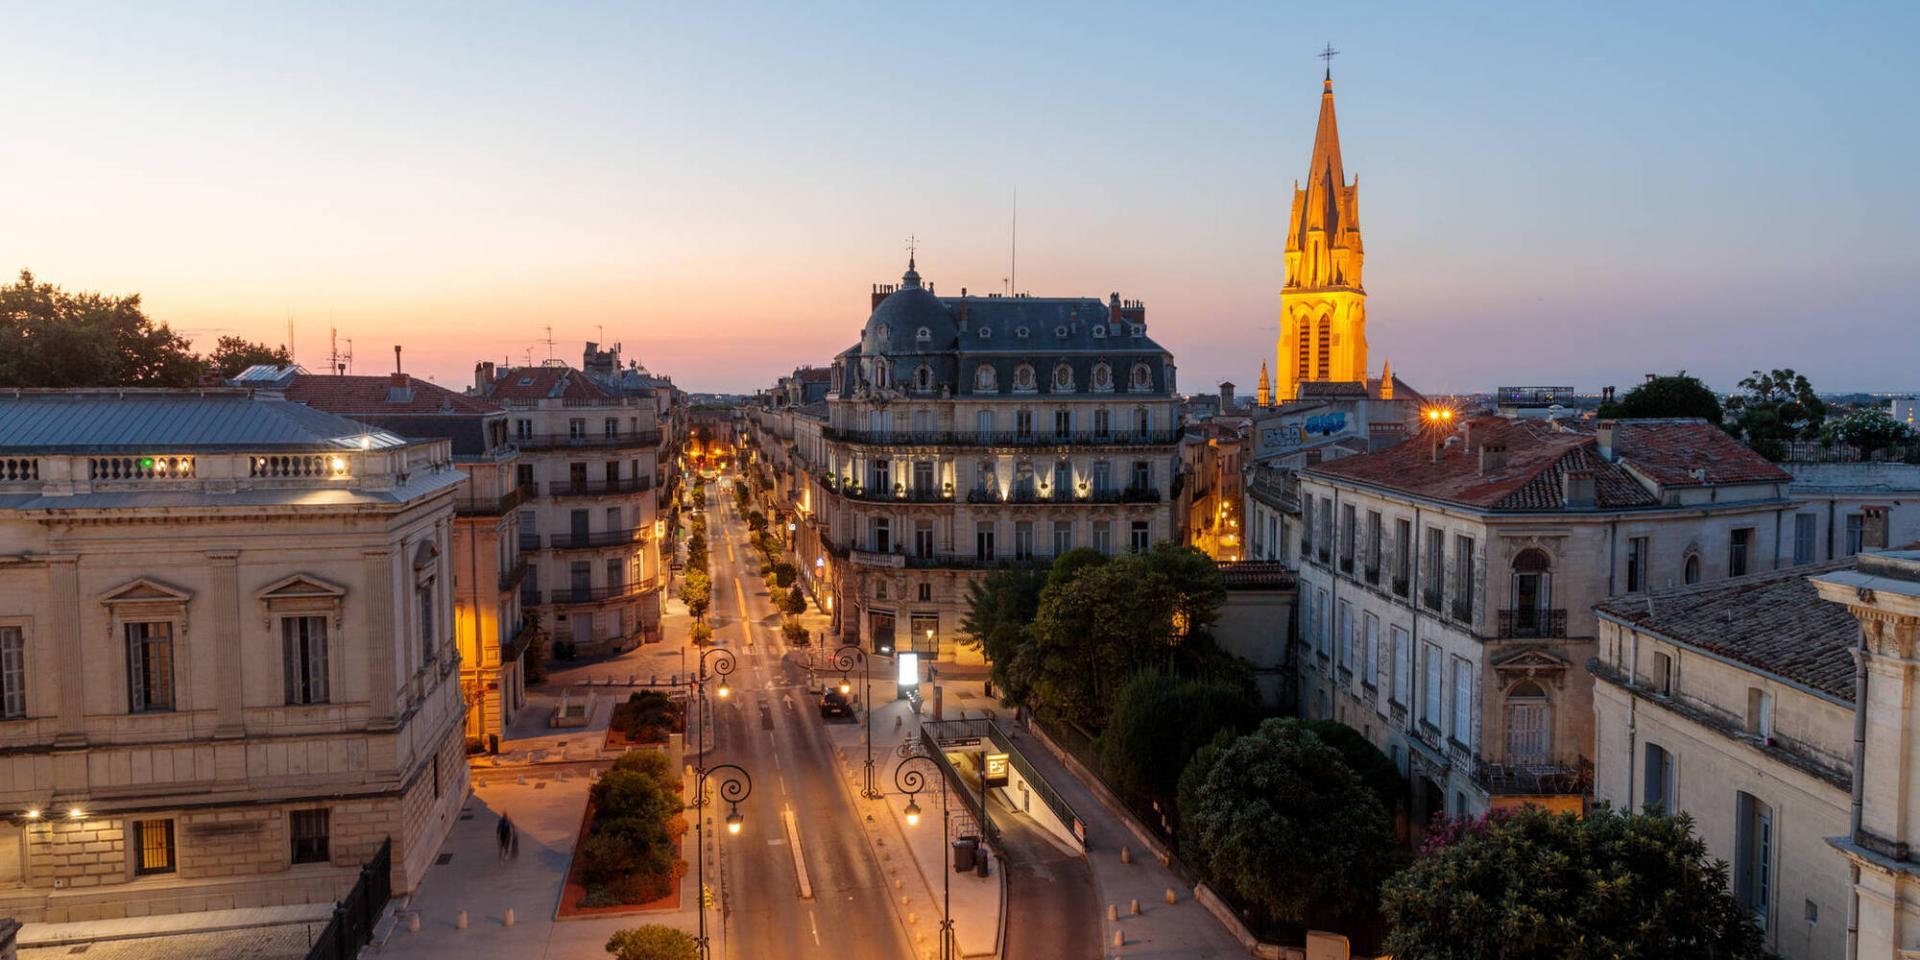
(542, 383)
(368, 396)
(1668, 451)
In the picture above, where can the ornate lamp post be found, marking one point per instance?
(910, 777)
(734, 782)
(843, 661)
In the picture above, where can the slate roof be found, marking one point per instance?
(367, 396)
(543, 383)
(1539, 454)
(1775, 622)
(170, 421)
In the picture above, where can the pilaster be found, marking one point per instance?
(230, 718)
(63, 576)
(377, 628)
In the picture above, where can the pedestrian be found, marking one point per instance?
(506, 835)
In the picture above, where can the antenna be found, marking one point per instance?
(290, 354)
(348, 356)
(549, 344)
(338, 361)
(1013, 252)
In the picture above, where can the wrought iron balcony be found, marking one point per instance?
(999, 438)
(1532, 623)
(588, 541)
(1558, 776)
(562, 441)
(560, 489)
(597, 594)
(1123, 495)
(489, 506)
(529, 541)
(511, 577)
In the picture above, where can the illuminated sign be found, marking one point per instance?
(996, 770)
(909, 675)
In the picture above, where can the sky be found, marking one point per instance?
(1570, 194)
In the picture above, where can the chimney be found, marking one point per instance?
(1493, 457)
(1113, 307)
(482, 377)
(1226, 396)
(396, 359)
(1603, 437)
(1577, 488)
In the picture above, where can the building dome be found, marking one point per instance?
(910, 320)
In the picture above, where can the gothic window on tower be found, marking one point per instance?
(1323, 348)
(1303, 351)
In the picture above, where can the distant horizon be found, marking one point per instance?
(1564, 195)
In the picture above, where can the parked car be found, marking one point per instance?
(833, 703)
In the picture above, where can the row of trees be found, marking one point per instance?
(52, 338)
(1772, 409)
(631, 850)
(696, 585)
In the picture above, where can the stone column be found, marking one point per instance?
(377, 627)
(63, 576)
(231, 682)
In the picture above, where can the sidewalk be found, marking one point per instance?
(918, 877)
(206, 921)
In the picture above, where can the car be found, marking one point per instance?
(833, 703)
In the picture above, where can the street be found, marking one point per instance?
(771, 727)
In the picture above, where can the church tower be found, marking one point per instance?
(1323, 307)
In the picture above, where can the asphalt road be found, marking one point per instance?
(771, 727)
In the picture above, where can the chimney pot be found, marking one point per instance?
(1603, 439)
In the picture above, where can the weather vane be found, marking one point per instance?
(912, 245)
(1328, 54)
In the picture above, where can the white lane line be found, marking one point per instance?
(799, 859)
(783, 783)
(815, 924)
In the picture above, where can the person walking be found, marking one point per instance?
(506, 835)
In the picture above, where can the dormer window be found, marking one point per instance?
(526, 381)
(923, 379)
(1023, 381)
(1060, 332)
(984, 380)
(985, 333)
(1137, 330)
(1020, 333)
(923, 335)
(1099, 331)
(1142, 380)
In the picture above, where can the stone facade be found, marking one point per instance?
(229, 614)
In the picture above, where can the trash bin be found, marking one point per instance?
(980, 863)
(493, 744)
(965, 853)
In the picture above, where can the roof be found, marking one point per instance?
(544, 383)
(816, 410)
(1539, 456)
(367, 396)
(1775, 622)
(138, 421)
(1255, 575)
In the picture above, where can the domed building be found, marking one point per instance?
(963, 434)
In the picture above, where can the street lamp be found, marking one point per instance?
(910, 778)
(735, 785)
(843, 661)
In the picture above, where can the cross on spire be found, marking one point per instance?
(913, 244)
(1328, 54)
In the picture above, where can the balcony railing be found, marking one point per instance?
(489, 506)
(561, 441)
(511, 577)
(597, 594)
(602, 538)
(529, 541)
(595, 488)
(1371, 573)
(896, 495)
(996, 438)
(1124, 495)
(1461, 609)
(1400, 586)
(1559, 776)
(1532, 623)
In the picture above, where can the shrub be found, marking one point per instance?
(701, 634)
(795, 633)
(652, 942)
(648, 716)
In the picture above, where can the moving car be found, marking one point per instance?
(833, 703)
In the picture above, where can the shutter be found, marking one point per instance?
(290, 656)
(316, 659)
(136, 672)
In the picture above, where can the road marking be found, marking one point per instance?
(799, 859)
(815, 924)
(783, 782)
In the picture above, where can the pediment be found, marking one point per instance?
(144, 590)
(1531, 661)
(302, 587)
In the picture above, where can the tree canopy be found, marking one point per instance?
(1776, 406)
(52, 338)
(1533, 884)
(1677, 395)
(1285, 827)
(1160, 721)
(234, 354)
(1871, 430)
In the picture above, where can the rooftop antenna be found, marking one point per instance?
(549, 344)
(397, 368)
(528, 354)
(349, 355)
(290, 335)
(1013, 246)
(337, 361)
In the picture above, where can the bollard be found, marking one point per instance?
(1119, 939)
(1172, 898)
(1113, 913)
(1126, 854)
(413, 923)
(523, 779)
(507, 921)
(912, 918)
(460, 920)
(1133, 907)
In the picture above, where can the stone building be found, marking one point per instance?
(588, 468)
(227, 656)
(488, 565)
(1447, 586)
(965, 433)
(1851, 508)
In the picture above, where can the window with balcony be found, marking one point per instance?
(1529, 727)
(1530, 614)
(1063, 424)
(879, 478)
(1102, 477)
(610, 428)
(923, 478)
(1433, 690)
(1023, 423)
(1462, 702)
(1142, 476)
(1062, 480)
(577, 428)
(983, 425)
(879, 535)
(1102, 423)
(983, 541)
(983, 477)
(1023, 540)
(1062, 537)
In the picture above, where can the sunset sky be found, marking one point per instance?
(1557, 193)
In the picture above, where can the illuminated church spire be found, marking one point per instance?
(1323, 307)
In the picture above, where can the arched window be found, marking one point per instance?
(984, 380)
(923, 379)
(1023, 378)
(1323, 348)
(1532, 595)
(1063, 379)
(1102, 378)
(1142, 381)
(1529, 724)
(1692, 569)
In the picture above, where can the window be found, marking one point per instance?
(1345, 652)
(1402, 555)
(923, 538)
(1102, 476)
(1662, 678)
(1463, 577)
(1140, 422)
(1532, 593)
(1138, 538)
(1023, 540)
(1529, 735)
(523, 475)
(425, 592)
(1636, 564)
(879, 476)
(1102, 422)
(523, 429)
(1307, 525)
(1433, 690)
(311, 832)
(1063, 480)
(1737, 556)
(983, 477)
(1436, 572)
(923, 478)
(1753, 855)
(880, 534)
(611, 428)
(1063, 423)
(1856, 533)
(1462, 701)
(1759, 713)
(1347, 536)
(1370, 665)
(577, 428)
(1103, 537)
(1318, 626)
(983, 423)
(1023, 423)
(983, 540)
(303, 641)
(149, 666)
(1401, 677)
(1373, 545)
(1062, 536)
(13, 673)
(1691, 571)
(1142, 477)
(925, 593)
(1803, 524)
(1658, 774)
(153, 843)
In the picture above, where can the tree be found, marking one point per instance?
(1870, 430)
(1000, 606)
(756, 521)
(1286, 828)
(1677, 395)
(796, 602)
(652, 942)
(52, 338)
(235, 354)
(1194, 577)
(1160, 721)
(696, 590)
(1775, 407)
(1374, 768)
(1192, 778)
(1533, 884)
